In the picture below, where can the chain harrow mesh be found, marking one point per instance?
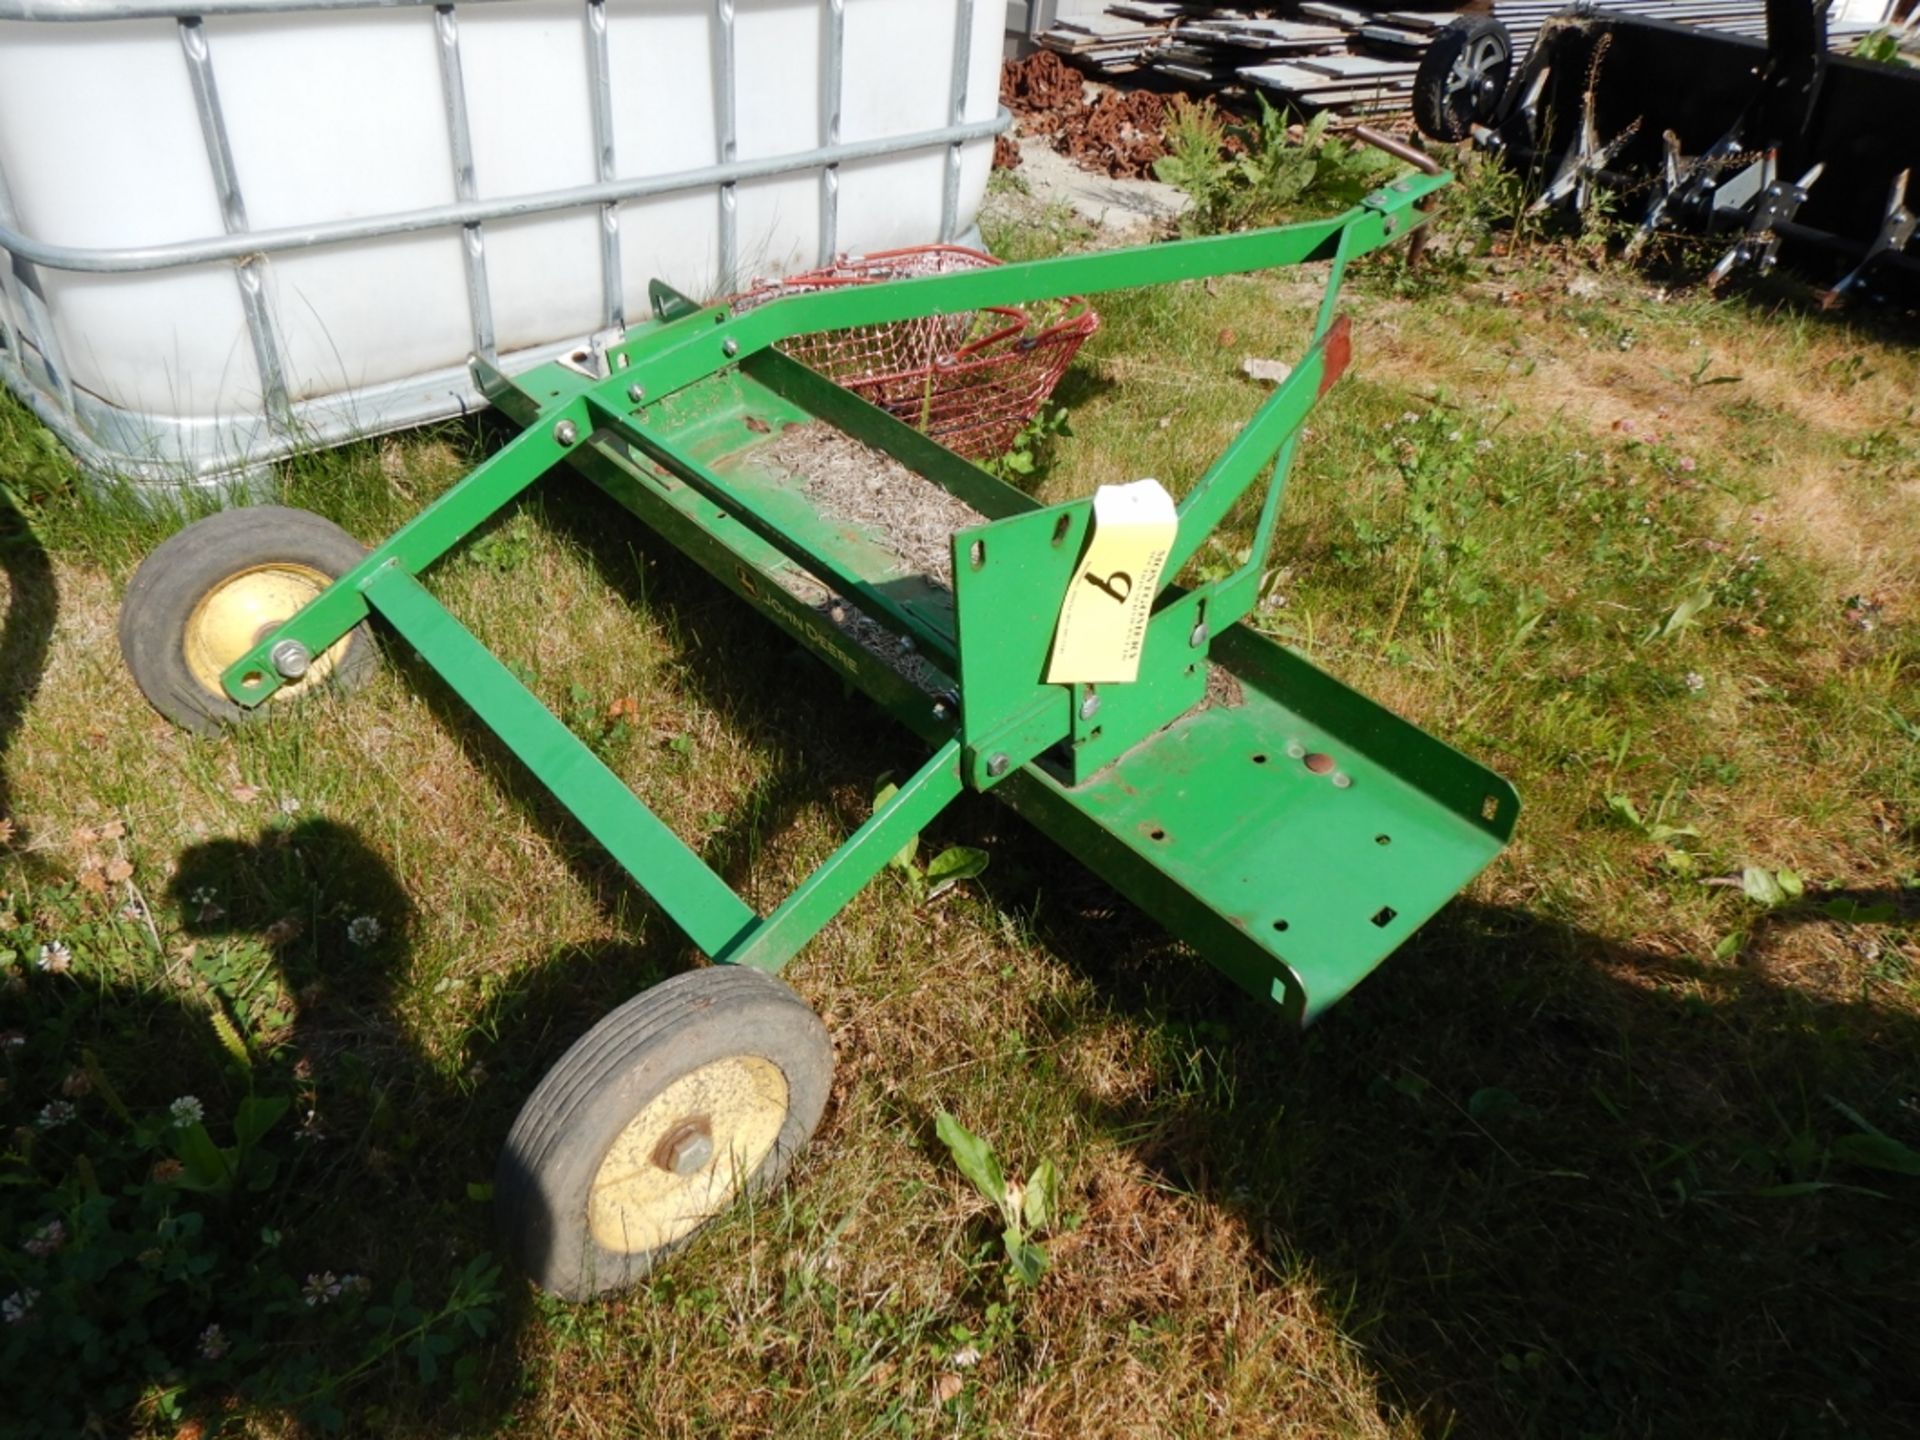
(972, 380)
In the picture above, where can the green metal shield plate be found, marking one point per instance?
(1296, 833)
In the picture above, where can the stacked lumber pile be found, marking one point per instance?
(1341, 55)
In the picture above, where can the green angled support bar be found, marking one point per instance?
(700, 902)
(845, 873)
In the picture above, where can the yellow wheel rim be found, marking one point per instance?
(234, 615)
(684, 1157)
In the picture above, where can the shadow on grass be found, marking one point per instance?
(1571, 1186)
(379, 1167)
(32, 602)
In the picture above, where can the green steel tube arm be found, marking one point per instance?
(679, 881)
(1386, 215)
(1272, 427)
(845, 873)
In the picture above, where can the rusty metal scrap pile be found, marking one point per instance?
(1118, 133)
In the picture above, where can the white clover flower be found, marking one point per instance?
(55, 958)
(47, 1239)
(187, 1110)
(55, 1114)
(289, 804)
(321, 1288)
(17, 1306)
(12, 1039)
(1455, 436)
(1696, 682)
(213, 1343)
(363, 930)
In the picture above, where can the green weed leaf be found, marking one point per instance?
(951, 866)
(1041, 1203)
(1492, 1102)
(1681, 616)
(1027, 1260)
(1623, 806)
(1852, 912)
(256, 1116)
(1764, 887)
(1878, 1152)
(974, 1156)
(207, 1167)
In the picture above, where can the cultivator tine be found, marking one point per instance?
(1589, 156)
(1673, 174)
(1896, 230)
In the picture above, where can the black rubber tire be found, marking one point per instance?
(1449, 102)
(583, 1104)
(167, 589)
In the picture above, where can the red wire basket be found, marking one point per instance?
(972, 380)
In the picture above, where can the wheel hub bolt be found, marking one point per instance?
(686, 1149)
(291, 659)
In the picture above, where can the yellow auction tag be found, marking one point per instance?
(1103, 621)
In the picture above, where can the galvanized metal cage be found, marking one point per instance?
(62, 278)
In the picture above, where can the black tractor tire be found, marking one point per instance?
(216, 585)
(603, 1176)
(1461, 78)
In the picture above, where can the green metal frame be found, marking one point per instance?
(662, 432)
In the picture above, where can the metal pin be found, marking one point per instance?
(566, 432)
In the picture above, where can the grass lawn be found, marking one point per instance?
(1616, 1145)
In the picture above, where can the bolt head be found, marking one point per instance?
(1090, 706)
(1199, 635)
(636, 393)
(997, 765)
(566, 432)
(687, 1148)
(290, 659)
(690, 1155)
(729, 347)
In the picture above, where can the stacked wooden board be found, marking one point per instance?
(1316, 55)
